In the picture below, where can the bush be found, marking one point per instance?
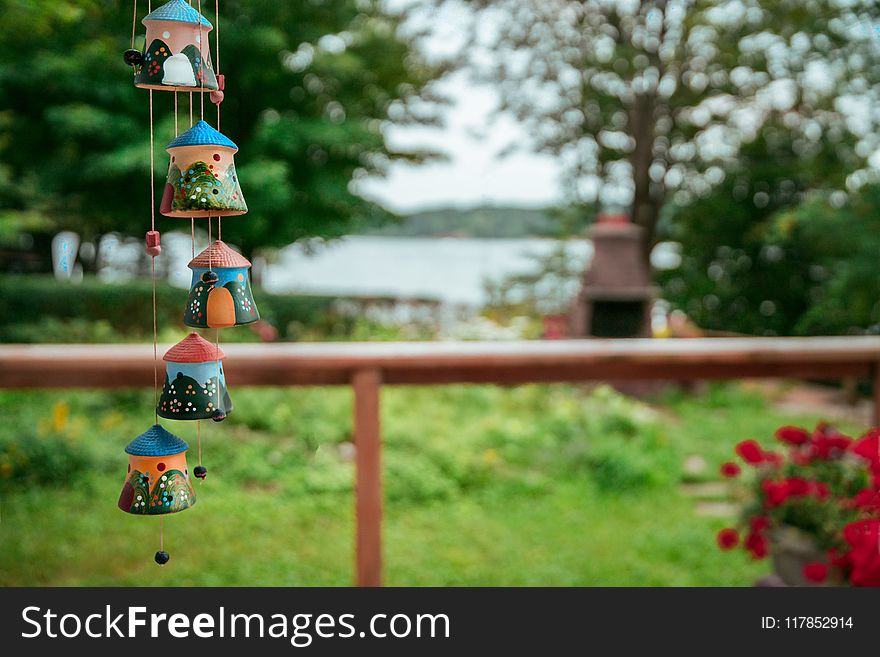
(28, 460)
(84, 312)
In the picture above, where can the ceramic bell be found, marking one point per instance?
(177, 56)
(201, 176)
(158, 479)
(195, 383)
(220, 295)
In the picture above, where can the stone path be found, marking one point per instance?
(790, 398)
(799, 398)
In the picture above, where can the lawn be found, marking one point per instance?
(533, 485)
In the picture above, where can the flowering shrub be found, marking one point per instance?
(824, 484)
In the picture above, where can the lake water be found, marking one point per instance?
(451, 270)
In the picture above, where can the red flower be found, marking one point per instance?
(757, 545)
(836, 559)
(792, 435)
(816, 572)
(856, 533)
(864, 556)
(750, 452)
(821, 490)
(773, 458)
(775, 492)
(730, 469)
(727, 538)
(759, 524)
(867, 499)
(828, 443)
(868, 447)
(797, 486)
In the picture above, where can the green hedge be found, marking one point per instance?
(40, 309)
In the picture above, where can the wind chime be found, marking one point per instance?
(201, 184)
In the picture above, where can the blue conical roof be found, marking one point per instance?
(179, 11)
(156, 441)
(201, 134)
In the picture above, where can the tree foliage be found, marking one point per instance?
(310, 86)
(655, 100)
(771, 253)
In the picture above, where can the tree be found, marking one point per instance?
(651, 101)
(805, 269)
(741, 270)
(309, 86)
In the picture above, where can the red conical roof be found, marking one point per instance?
(194, 349)
(218, 255)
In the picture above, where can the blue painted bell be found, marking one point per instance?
(220, 294)
(201, 176)
(195, 383)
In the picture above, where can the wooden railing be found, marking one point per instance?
(367, 366)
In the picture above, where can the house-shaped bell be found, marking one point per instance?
(158, 479)
(195, 383)
(177, 54)
(220, 294)
(201, 176)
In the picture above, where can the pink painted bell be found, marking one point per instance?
(177, 56)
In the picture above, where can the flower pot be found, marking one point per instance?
(790, 550)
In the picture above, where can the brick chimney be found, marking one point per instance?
(616, 294)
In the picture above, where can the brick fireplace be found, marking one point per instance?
(616, 294)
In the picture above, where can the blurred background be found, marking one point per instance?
(436, 170)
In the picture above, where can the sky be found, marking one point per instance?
(473, 174)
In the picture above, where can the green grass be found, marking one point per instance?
(534, 485)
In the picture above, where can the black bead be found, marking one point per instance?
(162, 557)
(210, 277)
(218, 415)
(200, 471)
(133, 57)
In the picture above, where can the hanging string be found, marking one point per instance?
(152, 182)
(134, 23)
(217, 52)
(202, 64)
(217, 35)
(190, 109)
(199, 438)
(175, 113)
(217, 357)
(153, 269)
(192, 219)
(162, 533)
(155, 346)
(217, 56)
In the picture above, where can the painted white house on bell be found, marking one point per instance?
(177, 53)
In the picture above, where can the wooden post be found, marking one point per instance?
(875, 416)
(368, 478)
